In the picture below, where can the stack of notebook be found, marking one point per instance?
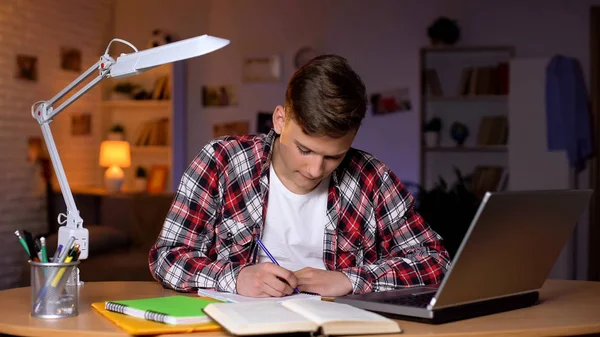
(160, 315)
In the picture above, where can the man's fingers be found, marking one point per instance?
(277, 287)
(284, 274)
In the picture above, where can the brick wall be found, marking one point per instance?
(40, 28)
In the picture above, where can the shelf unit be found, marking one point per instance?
(467, 84)
(162, 146)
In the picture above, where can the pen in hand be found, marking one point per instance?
(264, 249)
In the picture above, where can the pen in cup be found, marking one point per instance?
(264, 249)
(44, 252)
(23, 243)
(57, 253)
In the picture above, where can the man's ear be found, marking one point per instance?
(278, 119)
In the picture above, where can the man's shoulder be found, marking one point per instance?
(249, 148)
(241, 142)
(362, 162)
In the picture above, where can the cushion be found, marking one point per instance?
(102, 239)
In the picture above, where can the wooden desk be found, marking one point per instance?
(566, 308)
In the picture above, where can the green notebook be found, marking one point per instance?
(176, 309)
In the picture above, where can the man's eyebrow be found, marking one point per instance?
(305, 148)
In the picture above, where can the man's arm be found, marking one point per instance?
(180, 257)
(410, 252)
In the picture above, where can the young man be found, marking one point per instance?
(336, 219)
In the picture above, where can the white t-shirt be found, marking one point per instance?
(295, 225)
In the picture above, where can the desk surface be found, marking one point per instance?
(566, 308)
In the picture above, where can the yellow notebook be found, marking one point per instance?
(138, 326)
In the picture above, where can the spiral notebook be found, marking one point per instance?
(160, 315)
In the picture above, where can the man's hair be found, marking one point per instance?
(326, 97)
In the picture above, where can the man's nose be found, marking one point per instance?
(316, 167)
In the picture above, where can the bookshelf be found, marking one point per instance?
(468, 85)
(148, 123)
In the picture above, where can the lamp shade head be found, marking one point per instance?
(115, 152)
(138, 62)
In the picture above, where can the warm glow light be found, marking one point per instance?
(115, 152)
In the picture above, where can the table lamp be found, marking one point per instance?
(114, 154)
(125, 65)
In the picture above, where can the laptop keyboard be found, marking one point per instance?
(417, 300)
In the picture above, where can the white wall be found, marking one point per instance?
(40, 28)
(380, 38)
(381, 41)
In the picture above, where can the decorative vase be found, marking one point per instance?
(119, 96)
(140, 184)
(432, 138)
(115, 136)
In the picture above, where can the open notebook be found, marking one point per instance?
(235, 298)
(299, 315)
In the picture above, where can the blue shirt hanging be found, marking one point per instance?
(567, 110)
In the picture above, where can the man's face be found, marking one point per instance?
(302, 161)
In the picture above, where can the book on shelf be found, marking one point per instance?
(484, 80)
(431, 83)
(162, 88)
(493, 130)
(488, 178)
(153, 133)
(300, 315)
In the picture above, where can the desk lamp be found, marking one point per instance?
(125, 65)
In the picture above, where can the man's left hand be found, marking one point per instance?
(323, 282)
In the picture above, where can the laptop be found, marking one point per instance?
(504, 259)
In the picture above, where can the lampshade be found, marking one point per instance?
(115, 152)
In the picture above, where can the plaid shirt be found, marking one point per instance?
(373, 233)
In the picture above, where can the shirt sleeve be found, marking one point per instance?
(181, 257)
(410, 253)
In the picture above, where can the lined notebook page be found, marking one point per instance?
(236, 298)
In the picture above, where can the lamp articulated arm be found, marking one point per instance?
(125, 65)
(44, 113)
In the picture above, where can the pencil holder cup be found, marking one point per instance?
(54, 289)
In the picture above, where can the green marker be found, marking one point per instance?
(44, 254)
(23, 242)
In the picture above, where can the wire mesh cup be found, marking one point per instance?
(54, 289)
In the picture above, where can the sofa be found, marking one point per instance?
(122, 228)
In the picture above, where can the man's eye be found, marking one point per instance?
(303, 152)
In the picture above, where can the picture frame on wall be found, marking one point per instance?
(27, 68)
(262, 68)
(157, 179)
(81, 124)
(219, 95)
(233, 128)
(70, 59)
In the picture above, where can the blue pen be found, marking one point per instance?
(262, 246)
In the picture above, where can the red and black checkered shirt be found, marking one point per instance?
(373, 233)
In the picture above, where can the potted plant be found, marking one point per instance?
(140, 179)
(116, 132)
(123, 91)
(432, 130)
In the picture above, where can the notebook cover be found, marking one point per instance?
(176, 306)
(138, 326)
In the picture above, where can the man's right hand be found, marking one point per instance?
(265, 280)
